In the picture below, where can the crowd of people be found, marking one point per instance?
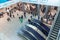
(46, 17)
(24, 7)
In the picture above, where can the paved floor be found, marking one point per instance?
(9, 29)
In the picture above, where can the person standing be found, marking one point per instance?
(31, 16)
(8, 19)
(21, 18)
(13, 16)
(10, 15)
(25, 14)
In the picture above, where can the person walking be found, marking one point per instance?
(25, 14)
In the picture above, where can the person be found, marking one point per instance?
(55, 8)
(1, 14)
(43, 11)
(22, 16)
(8, 19)
(25, 14)
(7, 9)
(33, 9)
(29, 20)
(13, 16)
(17, 14)
(31, 16)
(7, 13)
(19, 17)
(10, 15)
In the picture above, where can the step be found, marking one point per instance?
(56, 29)
(57, 26)
(52, 38)
(57, 23)
(53, 34)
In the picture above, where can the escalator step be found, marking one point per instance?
(57, 23)
(57, 26)
(52, 38)
(56, 30)
(53, 34)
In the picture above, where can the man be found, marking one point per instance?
(25, 14)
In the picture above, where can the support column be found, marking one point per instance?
(38, 6)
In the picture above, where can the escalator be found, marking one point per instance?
(30, 30)
(41, 28)
(54, 32)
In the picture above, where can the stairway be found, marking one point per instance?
(55, 30)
